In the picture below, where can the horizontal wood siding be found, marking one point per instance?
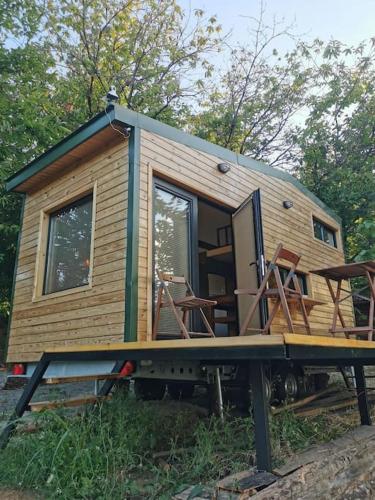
(197, 171)
(94, 315)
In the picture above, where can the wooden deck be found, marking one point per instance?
(221, 342)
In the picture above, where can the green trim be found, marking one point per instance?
(14, 277)
(124, 116)
(131, 279)
(70, 142)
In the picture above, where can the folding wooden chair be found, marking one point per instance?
(188, 303)
(282, 293)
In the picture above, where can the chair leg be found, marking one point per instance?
(183, 329)
(284, 303)
(302, 305)
(271, 316)
(254, 305)
(206, 323)
(157, 313)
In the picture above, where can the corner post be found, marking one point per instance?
(132, 243)
(260, 411)
(360, 384)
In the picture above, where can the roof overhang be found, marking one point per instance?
(116, 114)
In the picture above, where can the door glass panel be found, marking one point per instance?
(172, 219)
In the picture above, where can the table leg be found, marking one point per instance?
(336, 301)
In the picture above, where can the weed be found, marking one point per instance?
(109, 452)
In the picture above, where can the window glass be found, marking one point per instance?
(172, 226)
(69, 246)
(324, 233)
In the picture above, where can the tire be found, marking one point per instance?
(179, 391)
(287, 386)
(149, 389)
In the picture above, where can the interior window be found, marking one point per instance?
(324, 233)
(69, 246)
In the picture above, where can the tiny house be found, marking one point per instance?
(125, 195)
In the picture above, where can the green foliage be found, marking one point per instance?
(108, 453)
(310, 110)
(337, 143)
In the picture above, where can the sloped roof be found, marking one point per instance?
(116, 114)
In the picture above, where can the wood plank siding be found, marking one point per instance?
(96, 313)
(197, 172)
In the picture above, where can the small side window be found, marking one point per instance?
(324, 233)
(68, 260)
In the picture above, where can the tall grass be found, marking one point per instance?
(109, 452)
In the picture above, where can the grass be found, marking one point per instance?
(109, 452)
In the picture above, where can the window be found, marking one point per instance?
(69, 246)
(284, 273)
(324, 233)
(301, 279)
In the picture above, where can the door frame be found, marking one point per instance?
(193, 262)
(255, 198)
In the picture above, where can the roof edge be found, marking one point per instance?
(120, 114)
(80, 135)
(133, 118)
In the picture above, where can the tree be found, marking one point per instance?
(150, 50)
(337, 144)
(59, 58)
(253, 104)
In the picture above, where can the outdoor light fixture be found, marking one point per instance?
(223, 167)
(287, 204)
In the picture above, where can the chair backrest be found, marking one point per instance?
(171, 278)
(285, 254)
(178, 280)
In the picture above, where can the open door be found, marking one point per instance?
(249, 256)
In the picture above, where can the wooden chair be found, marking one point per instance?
(188, 303)
(282, 292)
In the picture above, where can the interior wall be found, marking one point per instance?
(209, 219)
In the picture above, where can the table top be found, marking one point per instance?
(346, 271)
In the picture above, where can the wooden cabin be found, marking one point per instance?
(125, 194)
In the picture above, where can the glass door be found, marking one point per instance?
(249, 255)
(175, 244)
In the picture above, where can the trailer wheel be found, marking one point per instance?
(148, 389)
(179, 391)
(287, 386)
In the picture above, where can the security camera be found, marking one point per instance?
(112, 95)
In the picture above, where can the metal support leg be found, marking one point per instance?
(219, 394)
(108, 384)
(360, 384)
(24, 400)
(260, 411)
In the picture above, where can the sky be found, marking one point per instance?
(349, 21)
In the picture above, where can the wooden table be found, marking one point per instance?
(345, 272)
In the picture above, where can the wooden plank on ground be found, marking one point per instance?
(82, 378)
(64, 403)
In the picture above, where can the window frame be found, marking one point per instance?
(44, 225)
(328, 227)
